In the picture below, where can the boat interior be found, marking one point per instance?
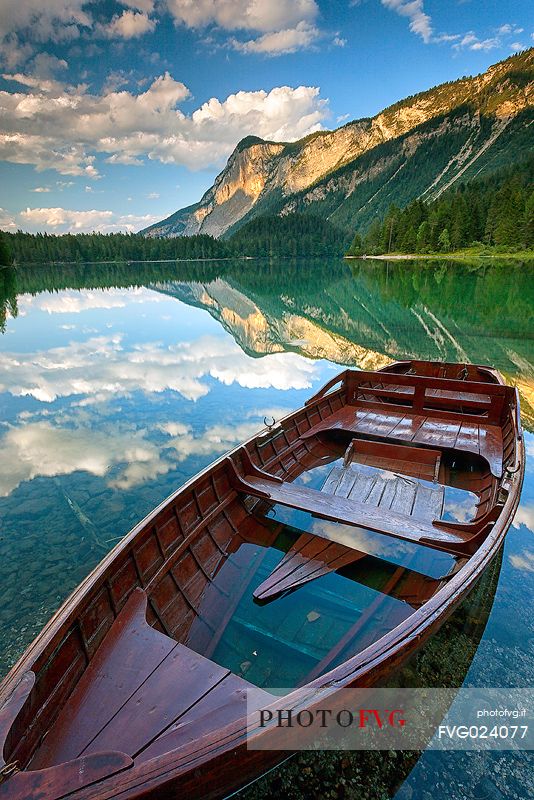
(277, 564)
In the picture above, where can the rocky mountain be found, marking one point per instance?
(418, 147)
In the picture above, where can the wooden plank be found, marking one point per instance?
(394, 452)
(375, 495)
(332, 480)
(362, 487)
(489, 415)
(228, 701)
(468, 437)
(353, 480)
(64, 779)
(131, 651)
(308, 559)
(428, 503)
(408, 427)
(403, 501)
(491, 447)
(439, 434)
(443, 393)
(177, 685)
(435, 431)
(441, 402)
(307, 548)
(347, 418)
(393, 392)
(447, 384)
(396, 492)
(391, 486)
(346, 484)
(379, 423)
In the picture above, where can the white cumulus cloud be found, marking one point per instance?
(26, 23)
(61, 127)
(213, 440)
(263, 16)
(7, 221)
(523, 561)
(62, 220)
(284, 26)
(56, 217)
(128, 25)
(139, 5)
(471, 41)
(525, 516)
(45, 20)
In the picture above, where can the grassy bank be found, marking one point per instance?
(466, 254)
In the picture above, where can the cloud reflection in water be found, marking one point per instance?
(102, 367)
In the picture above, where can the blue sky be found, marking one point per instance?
(114, 114)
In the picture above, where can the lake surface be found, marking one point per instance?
(119, 382)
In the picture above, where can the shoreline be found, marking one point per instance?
(459, 255)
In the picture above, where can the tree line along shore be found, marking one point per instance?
(492, 216)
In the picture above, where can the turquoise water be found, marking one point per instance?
(119, 383)
(282, 642)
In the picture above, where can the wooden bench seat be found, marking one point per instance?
(393, 424)
(138, 687)
(340, 509)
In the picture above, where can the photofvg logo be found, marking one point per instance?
(327, 717)
(392, 719)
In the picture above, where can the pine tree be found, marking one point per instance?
(409, 240)
(444, 241)
(459, 223)
(528, 222)
(373, 239)
(509, 216)
(356, 248)
(423, 237)
(6, 259)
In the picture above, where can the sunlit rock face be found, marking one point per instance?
(472, 117)
(259, 333)
(236, 189)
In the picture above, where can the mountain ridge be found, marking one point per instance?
(419, 146)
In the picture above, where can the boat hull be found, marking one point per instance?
(197, 523)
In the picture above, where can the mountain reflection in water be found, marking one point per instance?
(118, 382)
(363, 313)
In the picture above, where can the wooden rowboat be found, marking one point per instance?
(320, 553)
